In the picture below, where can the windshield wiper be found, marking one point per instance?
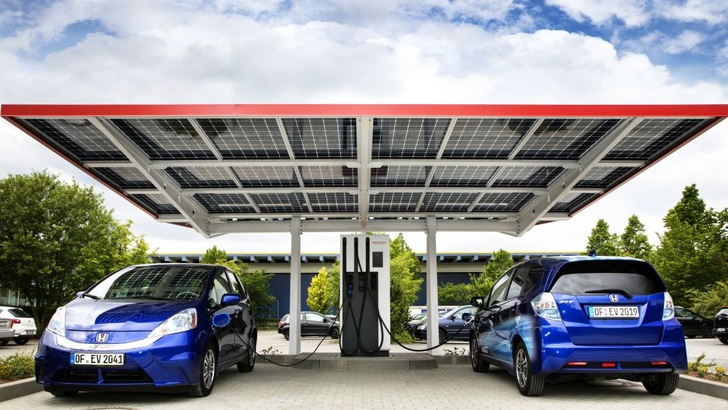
(88, 295)
(147, 297)
(611, 290)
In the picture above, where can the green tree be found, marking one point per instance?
(57, 239)
(405, 282)
(319, 295)
(602, 241)
(453, 294)
(693, 249)
(334, 286)
(712, 300)
(257, 283)
(480, 285)
(633, 241)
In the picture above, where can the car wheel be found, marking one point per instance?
(334, 333)
(443, 337)
(478, 363)
(207, 373)
(724, 341)
(285, 334)
(662, 384)
(528, 383)
(20, 341)
(246, 365)
(60, 392)
(707, 332)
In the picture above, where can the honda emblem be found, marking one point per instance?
(102, 337)
(614, 298)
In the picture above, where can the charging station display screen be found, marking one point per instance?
(377, 259)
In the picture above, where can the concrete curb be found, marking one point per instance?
(702, 386)
(18, 388)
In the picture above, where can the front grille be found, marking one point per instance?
(102, 376)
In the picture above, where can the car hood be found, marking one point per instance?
(120, 315)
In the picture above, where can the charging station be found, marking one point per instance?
(365, 290)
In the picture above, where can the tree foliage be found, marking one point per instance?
(602, 241)
(634, 242)
(693, 250)
(480, 285)
(320, 298)
(57, 239)
(405, 282)
(453, 293)
(257, 283)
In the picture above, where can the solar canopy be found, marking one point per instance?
(345, 168)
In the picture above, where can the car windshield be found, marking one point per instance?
(627, 277)
(154, 282)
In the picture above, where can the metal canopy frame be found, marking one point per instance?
(355, 168)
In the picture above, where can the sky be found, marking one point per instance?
(376, 52)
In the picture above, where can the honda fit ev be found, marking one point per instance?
(149, 327)
(554, 319)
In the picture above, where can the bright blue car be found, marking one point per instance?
(157, 326)
(553, 319)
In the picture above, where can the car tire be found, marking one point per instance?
(334, 333)
(56, 392)
(662, 384)
(246, 365)
(724, 341)
(707, 332)
(3, 342)
(528, 383)
(476, 361)
(285, 334)
(207, 373)
(20, 340)
(443, 337)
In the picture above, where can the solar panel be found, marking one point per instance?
(363, 164)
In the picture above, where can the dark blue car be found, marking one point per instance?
(158, 326)
(553, 319)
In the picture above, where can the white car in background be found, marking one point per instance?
(22, 324)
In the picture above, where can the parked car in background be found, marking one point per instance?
(452, 325)
(551, 319)
(6, 332)
(720, 325)
(21, 322)
(312, 324)
(149, 327)
(693, 324)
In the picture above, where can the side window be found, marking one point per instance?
(220, 286)
(314, 318)
(498, 293)
(522, 282)
(236, 286)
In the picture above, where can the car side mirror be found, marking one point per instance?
(477, 301)
(230, 299)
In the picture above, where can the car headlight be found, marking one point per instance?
(57, 324)
(180, 322)
(422, 327)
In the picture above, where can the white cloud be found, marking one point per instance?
(159, 54)
(600, 12)
(685, 41)
(709, 11)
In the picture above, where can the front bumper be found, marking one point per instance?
(170, 361)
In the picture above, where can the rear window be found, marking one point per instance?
(634, 277)
(19, 313)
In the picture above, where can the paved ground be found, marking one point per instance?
(448, 386)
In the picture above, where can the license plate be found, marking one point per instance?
(30, 332)
(613, 312)
(720, 329)
(97, 359)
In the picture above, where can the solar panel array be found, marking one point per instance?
(239, 168)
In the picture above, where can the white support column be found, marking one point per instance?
(294, 317)
(433, 338)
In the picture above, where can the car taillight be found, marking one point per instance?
(545, 306)
(14, 322)
(668, 311)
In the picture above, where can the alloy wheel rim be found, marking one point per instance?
(521, 367)
(208, 369)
